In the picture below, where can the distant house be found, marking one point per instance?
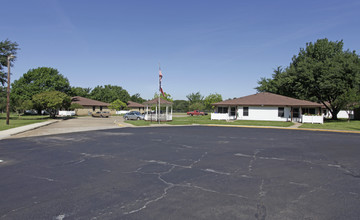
(134, 106)
(266, 106)
(341, 114)
(90, 106)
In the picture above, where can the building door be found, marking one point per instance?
(296, 114)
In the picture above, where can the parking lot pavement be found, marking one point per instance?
(74, 125)
(181, 173)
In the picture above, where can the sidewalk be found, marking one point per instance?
(296, 125)
(13, 131)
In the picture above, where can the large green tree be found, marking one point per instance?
(39, 80)
(210, 99)
(23, 105)
(181, 105)
(137, 98)
(6, 48)
(109, 93)
(323, 72)
(195, 97)
(117, 105)
(79, 91)
(51, 101)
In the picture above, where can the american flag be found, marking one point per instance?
(160, 77)
(160, 74)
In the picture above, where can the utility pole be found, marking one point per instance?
(8, 90)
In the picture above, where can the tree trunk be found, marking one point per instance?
(334, 114)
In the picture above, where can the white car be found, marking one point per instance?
(133, 116)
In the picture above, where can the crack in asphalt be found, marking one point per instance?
(170, 185)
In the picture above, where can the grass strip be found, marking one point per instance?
(189, 120)
(17, 121)
(341, 124)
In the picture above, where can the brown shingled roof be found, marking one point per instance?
(132, 104)
(87, 102)
(268, 99)
(155, 101)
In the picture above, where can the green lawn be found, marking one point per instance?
(341, 124)
(188, 120)
(16, 121)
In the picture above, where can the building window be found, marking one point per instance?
(281, 112)
(93, 108)
(222, 109)
(310, 111)
(245, 111)
(232, 111)
(100, 108)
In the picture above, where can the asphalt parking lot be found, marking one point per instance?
(190, 172)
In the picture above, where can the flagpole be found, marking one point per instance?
(159, 94)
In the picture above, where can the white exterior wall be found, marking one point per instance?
(344, 114)
(264, 113)
(341, 114)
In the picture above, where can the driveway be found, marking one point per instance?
(76, 125)
(181, 173)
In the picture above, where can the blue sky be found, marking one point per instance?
(209, 46)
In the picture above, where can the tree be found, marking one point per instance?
(109, 93)
(39, 80)
(2, 99)
(352, 100)
(166, 97)
(22, 105)
(117, 105)
(6, 48)
(210, 99)
(279, 84)
(74, 106)
(181, 105)
(136, 98)
(195, 97)
(51, 101)
(79, 91)
(321, 72)
(196, 106)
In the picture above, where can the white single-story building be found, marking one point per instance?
(268, 107)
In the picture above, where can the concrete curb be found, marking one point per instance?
(13, 131)
(284, 128)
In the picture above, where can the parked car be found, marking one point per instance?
(101, 114)
(30, 112)
(136, 112)
(196, 112)
(133, 116)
